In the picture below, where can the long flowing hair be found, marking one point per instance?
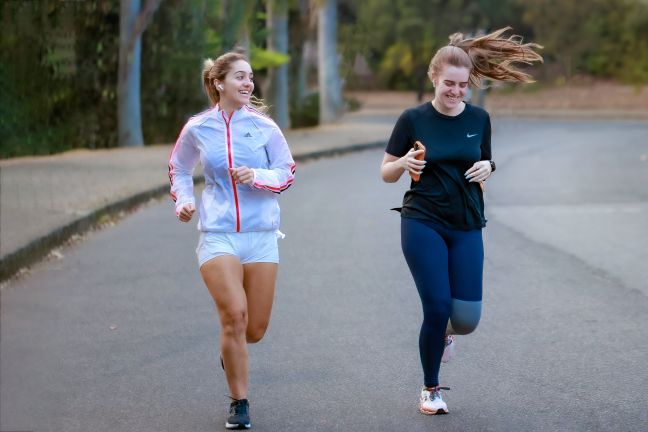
(491, 56)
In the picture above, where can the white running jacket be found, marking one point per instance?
(247, 138)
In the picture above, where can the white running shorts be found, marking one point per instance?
(249, 247)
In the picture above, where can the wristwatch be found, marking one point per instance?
(492, 164)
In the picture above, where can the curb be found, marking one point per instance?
(40, 247)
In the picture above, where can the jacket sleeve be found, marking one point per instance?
(281, 166)
(183, 161)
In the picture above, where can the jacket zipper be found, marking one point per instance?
(231, 165)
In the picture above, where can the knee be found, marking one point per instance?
(234, 322)
(464, 326)
(465, 316)
(256, 333)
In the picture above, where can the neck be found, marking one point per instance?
(456, 111)
(229, 107)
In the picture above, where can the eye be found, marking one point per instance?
(463, 85)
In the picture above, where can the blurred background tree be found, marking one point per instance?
(59, 59)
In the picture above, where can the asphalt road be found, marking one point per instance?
(119, 334)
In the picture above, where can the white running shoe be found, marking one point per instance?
(449, 350)
(431, 402)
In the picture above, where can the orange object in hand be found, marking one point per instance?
(418, 146)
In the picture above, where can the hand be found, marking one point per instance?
(242, 175)
(479, 172)
(186, 212)
(410, 163)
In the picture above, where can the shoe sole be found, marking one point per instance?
(238, 426)
(429, 412)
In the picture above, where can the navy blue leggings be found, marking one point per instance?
(447, 266)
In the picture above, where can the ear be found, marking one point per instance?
(433, 78)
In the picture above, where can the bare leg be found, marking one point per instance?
(224, 279)
(259, 281)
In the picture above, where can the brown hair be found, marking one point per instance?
(491, 56)
(217, 69)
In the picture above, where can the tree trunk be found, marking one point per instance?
(277, 92)
(129, 118)
(330, 97)
(306, 31)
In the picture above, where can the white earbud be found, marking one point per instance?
(220, 86)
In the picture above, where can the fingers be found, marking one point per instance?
(479, 172)
(478, 178)
(416, 152)
(412, 164)
(242, 175)
(186, 212)
(472, 169)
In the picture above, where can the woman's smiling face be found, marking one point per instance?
(237, 85)
(450, 88)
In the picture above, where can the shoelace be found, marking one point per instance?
(237, 406)
(435, 393)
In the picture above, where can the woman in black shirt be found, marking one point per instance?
(443, 211)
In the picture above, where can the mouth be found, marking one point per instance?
(453, 99)
(245, 93)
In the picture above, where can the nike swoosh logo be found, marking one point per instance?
(470, 136)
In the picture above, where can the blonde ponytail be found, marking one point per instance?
(208, 82)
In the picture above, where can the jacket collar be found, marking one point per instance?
(236, 114)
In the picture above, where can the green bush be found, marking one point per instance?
(306, 112)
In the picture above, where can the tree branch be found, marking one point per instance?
(143, 20)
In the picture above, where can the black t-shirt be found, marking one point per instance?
(453, 144)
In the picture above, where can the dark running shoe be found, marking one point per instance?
(239, 415)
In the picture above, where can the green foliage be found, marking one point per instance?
(352, 104)
(59, 73)
(172, 56)
(605, 39)
(397, 38)
(59, 59)
(262, 58)
(58, 77)
(305, 113)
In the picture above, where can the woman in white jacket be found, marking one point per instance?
(246, 163)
